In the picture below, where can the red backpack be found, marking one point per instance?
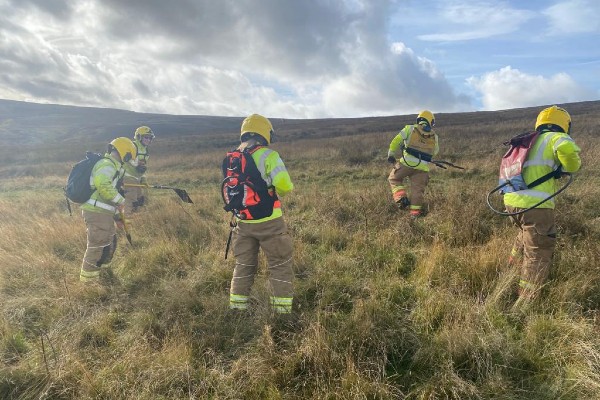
(244, 191)
(511, 167)
(511, 172)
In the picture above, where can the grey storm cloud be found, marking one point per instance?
(42, 72)
(313, 58)
(59, 9)
(300, 38)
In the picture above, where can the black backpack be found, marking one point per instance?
(78, 188)
(243, 189)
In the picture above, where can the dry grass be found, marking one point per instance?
(386, 309)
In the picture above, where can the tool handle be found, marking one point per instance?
(232, 225)
(228, 243)
(125, 227)
(149, 186)
(439, 163)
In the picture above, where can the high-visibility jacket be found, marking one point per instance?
(402, 138)
(273, 171)
(550, 151)
(104, 179)
(142, 159)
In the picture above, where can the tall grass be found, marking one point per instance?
(384, 309)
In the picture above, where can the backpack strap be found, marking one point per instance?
(548, 176)
(117, 167)
(529, 137)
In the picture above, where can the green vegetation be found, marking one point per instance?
(385, 309)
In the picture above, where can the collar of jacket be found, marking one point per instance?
(422, 131)
(139, 145)
(250, 145)
(113, 160)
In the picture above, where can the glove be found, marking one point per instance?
(120, 188)
(391, 159)
(141, 168)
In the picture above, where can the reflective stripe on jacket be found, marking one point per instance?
(142, 158)
(104, 178)
(550, 151)
(407, 159)
(273, 171)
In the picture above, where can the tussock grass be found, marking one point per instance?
(385, 308)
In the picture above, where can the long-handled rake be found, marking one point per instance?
(442, 164)
(183, 195)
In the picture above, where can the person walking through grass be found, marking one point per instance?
(104, 208)
(135, 173)
(553, 150)
(417, 144)
(259, 219)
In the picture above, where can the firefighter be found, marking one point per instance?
(105, 208)
(554, 149)
(135, 172)
(268, 233)
(416, 144)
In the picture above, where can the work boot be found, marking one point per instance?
(234, 314)
(403, 203)
(284, 326)
(418, 213)
(107, 277)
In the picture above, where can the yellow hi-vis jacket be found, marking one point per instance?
(273, 171)
(104, 178)
(402, 138)
(142, 159)
(550, 151)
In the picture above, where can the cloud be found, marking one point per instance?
(476, 20)
(57, 8)
(301, 39)
(573, 16)
(309, 59)
(381, 85)
(510, 88)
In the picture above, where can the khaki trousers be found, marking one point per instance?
(132, 194)
(535, 242)
(418, 182)
(101, 243)
(275, 241)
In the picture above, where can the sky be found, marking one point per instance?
(300, 59)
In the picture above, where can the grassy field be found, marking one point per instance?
(386, 309)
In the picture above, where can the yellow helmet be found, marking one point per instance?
(125, 147)
(258, 124)
(553, 118)
(427, 116)
(143, 131)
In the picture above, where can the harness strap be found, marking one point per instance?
(544, 178)
(416, 153)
